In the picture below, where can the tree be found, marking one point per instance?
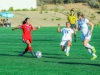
(62, 2)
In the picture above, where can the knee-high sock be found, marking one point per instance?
(30, 48)
(74, 37)
(67, 49)
(90, 51)
(89, 46)
(25, 50)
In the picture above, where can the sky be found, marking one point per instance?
(17, 4)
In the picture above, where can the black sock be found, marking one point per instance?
(75, 37)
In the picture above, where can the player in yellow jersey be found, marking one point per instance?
(72, 18)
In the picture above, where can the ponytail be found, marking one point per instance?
(24, 22)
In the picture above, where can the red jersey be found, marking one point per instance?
(26, 31)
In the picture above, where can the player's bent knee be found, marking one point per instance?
(63, 48)
(84, 45)
(69, 43)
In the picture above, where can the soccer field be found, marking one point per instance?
(53, 61)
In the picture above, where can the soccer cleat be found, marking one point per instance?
(93, 50)
(94, 57)
(21, 54)
(67, 54)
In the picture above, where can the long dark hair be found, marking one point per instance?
(24, 22)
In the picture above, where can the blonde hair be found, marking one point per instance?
(67, 22)
(80, 14)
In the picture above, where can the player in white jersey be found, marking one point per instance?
(86, 33)
(66, 37)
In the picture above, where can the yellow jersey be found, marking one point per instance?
(72, 19)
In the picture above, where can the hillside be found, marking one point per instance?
(51, 18)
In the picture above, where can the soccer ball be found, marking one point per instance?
(38, 54)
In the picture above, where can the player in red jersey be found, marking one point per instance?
(27, 37)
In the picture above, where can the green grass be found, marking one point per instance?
(53, 61)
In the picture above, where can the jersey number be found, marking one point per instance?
(67, 32)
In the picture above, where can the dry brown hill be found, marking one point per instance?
(52, 18)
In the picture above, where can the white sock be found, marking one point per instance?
(89, 46)
(93, 54)
(67, 49)
(90, 51)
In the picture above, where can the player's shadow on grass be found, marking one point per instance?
(7, 55)
(52, 55)
(43, 40)
(78, 63)
(16, 55)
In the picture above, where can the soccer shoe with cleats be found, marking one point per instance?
(93, 50)
(94, 57)
(67, 54)
(21, 54)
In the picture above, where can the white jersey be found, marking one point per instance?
(67, 32)
(83, 25)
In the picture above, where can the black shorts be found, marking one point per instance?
(73, 26)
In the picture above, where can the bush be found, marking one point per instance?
(58, 19)
(44, 7)
(52, 19)
(93, 3)
(67, 13)
(25, 9)
(11, 9)
(98, 24)
(93, 16)
(40, 12)
(32, 9)
(85, 1)
(44, 19)
(46, 11)
(3, 10)
(40, 2)
(18, 10)
(56, 9)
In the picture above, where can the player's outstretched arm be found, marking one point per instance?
(37, 28)
(92, 26)
(15, 28)
(58, 29)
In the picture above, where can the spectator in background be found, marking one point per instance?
(7, 23)
(1, 23)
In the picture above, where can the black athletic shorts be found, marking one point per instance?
(73, 26)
